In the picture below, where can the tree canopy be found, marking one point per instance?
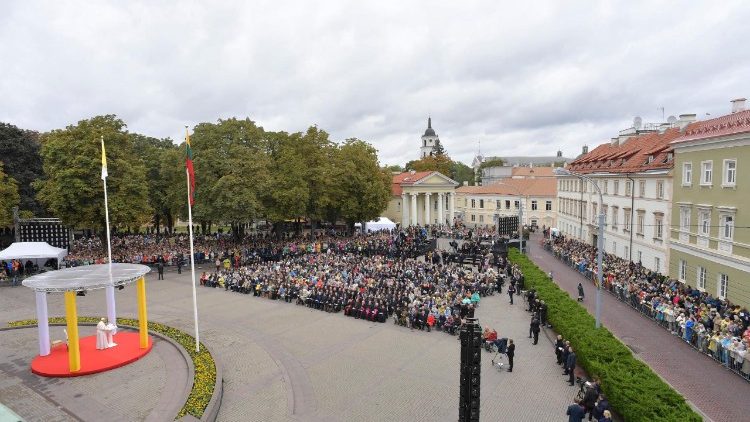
(10, 198)
(23, 163)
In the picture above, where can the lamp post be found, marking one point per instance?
(559, 171)
(520, 213)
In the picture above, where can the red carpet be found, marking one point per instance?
(92, 360)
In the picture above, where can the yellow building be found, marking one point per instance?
(480, 206)
(421, 198)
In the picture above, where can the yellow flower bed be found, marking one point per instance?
(203, 362)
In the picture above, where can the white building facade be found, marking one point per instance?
(634, 174)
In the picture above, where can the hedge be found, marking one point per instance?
(634, 391)
(203, 362)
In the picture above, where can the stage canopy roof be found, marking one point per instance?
(86, 277)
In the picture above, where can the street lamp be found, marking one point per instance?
(520, 213)
(559, 171)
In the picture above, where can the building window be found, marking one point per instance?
(682, 270)
(606, 186)
(704, 222)
(642, 188)
(640, 256)
(481, 203)
(605, 208)
(627, 188)
(659, 189)
(701, 278)
(616, 188)
(657, 264)
(507, 204)
(687, 174)
(684, 219)
(615, 211)
(533, 205)
(658, 226)
(548, 206)
(723, 286)
(614, 247)
(516, 204)
(627, 252)
(730, 173)
(626, 215)
(481, 219)
(593, 213)
(473, 203)
(639, 223)
(707, 168)
(727, 227)
(498, 204)
(473, 217)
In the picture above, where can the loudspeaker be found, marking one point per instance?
(471, 371)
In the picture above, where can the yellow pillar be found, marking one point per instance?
(142, 313)
(71, 318)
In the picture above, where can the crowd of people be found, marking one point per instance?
(428, 294)
(714, 326)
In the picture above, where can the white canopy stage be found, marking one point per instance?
(382, 223)
(33, 250)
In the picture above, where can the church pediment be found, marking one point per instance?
(437, 179)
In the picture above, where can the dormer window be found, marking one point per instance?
(670, 157)
(650, 159)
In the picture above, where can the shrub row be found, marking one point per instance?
(633, 389)
(203, 362)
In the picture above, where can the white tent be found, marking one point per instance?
(35, 251)
(382, 223)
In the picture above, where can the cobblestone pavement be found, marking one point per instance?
(717, 392)
(284, 362)
(130, 393)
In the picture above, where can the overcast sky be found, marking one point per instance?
(522, 79)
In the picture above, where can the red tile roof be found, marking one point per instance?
(527, 187)
(406, 178)
(631, 156)
(730, 124)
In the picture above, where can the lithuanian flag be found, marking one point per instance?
(189, 166)
(104, 161)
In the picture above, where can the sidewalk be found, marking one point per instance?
(717, 392)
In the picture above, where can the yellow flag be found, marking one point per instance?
(104, 162)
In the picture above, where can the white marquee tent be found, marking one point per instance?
(36, 251)
(382, 223)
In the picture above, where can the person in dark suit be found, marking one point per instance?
(559, 347)
(160, 269)
(570, 366)
(510, 352)
(511, 290)
(575, 412)
(535, 328)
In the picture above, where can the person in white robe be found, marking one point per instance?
(101, 335)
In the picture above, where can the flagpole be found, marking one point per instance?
(110, 290)
(192, 261)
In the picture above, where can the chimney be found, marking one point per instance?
(684, 120)
(738, 105)
(585, 150)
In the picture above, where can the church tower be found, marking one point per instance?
(429, 140)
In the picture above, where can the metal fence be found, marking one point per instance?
(717, 347)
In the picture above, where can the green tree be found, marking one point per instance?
(10, 198)
(439, 150)
(72, 188)
(20, 154)
(363, 188)
(461, 173)
(495, 162)
(232, 172)
(152, 152)
(394, 168)
(440, 163)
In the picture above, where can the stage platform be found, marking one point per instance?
(92, 360)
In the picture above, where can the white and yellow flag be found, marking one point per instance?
(104, 162)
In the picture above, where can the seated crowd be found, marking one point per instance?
(417, 294)
(712, 325)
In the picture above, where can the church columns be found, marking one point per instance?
(451, 207)
(427, 209)
(404, 210)
(441, 205)
(413, 213)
